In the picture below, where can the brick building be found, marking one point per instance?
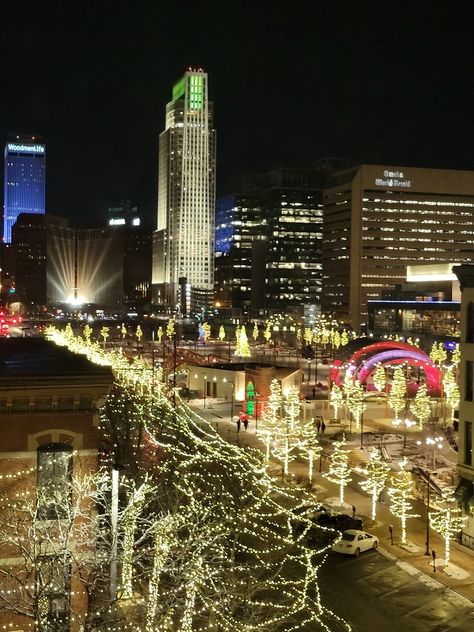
(49, 401)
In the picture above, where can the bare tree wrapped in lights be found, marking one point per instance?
(221, 333)
(398, 392)
(400, 492)
(225, 558)
(376, 472)
(379, 378)
(451, 391)
(271, 417)
(339, 471)
(308, 444)
(355, 393)
(255, 332)
(337, 398)
(420, 406)
(447, 521)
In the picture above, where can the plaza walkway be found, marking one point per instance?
(458, 576)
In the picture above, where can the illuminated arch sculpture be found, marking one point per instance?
(362, 363)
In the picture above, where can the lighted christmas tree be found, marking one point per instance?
(379, 378)
(447, 521)
(104, 332)
(339, 471)
(86, 332)
(267, 334)
(398, 392)
(337, 398)
(400, 492)
(242, 348)
(221, 333)
(123, 331)
(170, 329)
(271, 418)
(255, 332)
(344, 338)
(159, 333)
(376, 472)
(456, 355)
(420, 406)
(139, 333)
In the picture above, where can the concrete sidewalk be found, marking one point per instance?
(457, 577)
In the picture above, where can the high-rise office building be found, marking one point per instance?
(183, 249)
(24, 181)
(268, 242)
(378, 220)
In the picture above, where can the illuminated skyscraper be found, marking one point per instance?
(24, 182)
(183, 248)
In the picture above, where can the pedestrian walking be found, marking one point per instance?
(323, 427)
(238, 424)
(353, 511)
(246, 423)
(318, 425)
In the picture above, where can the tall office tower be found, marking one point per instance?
(183, 248)
(24, 182)
(378, 220)
(268, 242)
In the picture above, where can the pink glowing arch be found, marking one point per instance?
(362, 363)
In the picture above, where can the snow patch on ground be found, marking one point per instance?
(451, 570)
(410, 547)
(334, 503)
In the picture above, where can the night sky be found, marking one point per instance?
(291, 81)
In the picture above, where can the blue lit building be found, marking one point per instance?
(24, 182)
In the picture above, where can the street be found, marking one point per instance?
(375, 594)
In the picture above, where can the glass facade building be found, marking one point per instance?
(24, 182)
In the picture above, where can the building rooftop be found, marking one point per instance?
(39, 358)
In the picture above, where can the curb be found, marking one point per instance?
(413, 570)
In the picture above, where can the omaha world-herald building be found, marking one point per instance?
(380, 219)
(183, 244)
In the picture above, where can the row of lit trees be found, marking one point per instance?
(203, 534)
(446, 520)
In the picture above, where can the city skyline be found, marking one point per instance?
(384, 88)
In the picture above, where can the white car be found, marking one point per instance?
(354, 542)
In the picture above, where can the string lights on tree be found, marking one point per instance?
(420, 405)
(376, 472)
(398, 392)
(400, 492)
(339, 471)
(447, 521)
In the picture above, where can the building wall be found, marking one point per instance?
(378, 220)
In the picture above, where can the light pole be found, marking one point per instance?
(231, 398)
(435, 443)
(257, 395)
(407, 423)
(205, 390)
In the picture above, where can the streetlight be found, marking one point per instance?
(205, 390)
(231, 398)
(407, 423)
(257, 395)
(434, 443)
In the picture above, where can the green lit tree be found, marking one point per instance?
(376, 472)
(398, 392)
(339, 471)
(420, 406)
(447, 521)
(400, 492)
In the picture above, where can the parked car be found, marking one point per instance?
(339, 521)
(354, 542)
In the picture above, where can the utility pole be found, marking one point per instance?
(427, 552)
